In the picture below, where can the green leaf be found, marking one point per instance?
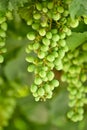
(78, 8)
(35, 112)
(76, 39)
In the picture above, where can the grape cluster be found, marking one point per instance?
(7, 103)
(3, 28)
(49, 22)
(75, 76)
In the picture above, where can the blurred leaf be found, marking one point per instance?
(78, 8)
(76, 39)
(35, 112)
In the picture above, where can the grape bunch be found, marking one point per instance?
(75, 75)
(3, 28)
(7, 103)
(49, 23)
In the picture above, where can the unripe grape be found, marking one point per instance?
(53, 44)
(49, 35)
(42, 73)
(33, 88)
(30, 59)
(44, 48)
(41, 54)
(2, 33)
(38, 6)
(36, 45)
(50, 58)
(37, 16)
(49, 95)
(31, 35)
(55, 83)
(45, 10)
(37, 99)
(50, 5)
(62, 43)
(83, 77)
(31, 68)
(50, 75)
(46, 41)
(74, 23)
(47, 88)
(2, 43)
(35, 26)
(29, 22)
(54, 31)
(56, 16)
(55, 37)
(60, 9)
(85, 20)
(38, 80)
(41, 92)
(4, 26)
(42, 32)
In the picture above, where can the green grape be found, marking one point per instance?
(33, 88)
(35, 26)
(45, 10)
(2, 33)
(53, 44)
(50, 75)
(38, 6)
(49, 35)
(74, 23)
(42, 74)
(55, 83)
(50, 58)
(83, 77)
(85, 20)
(55, 37)
(41, 54)
(42, 32)
(46, 41)
(37, 99)
(41, 92)
(29, 22)
(37, 16)
(62, 43)
(60, 9)
(36, 46)
(38, 81)
(44, 48)
(49, 95)
(31, 68)
(56, 16)
(47, 88)
(31, 35)
(4, 26)
(30, 59)
(50, 5)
